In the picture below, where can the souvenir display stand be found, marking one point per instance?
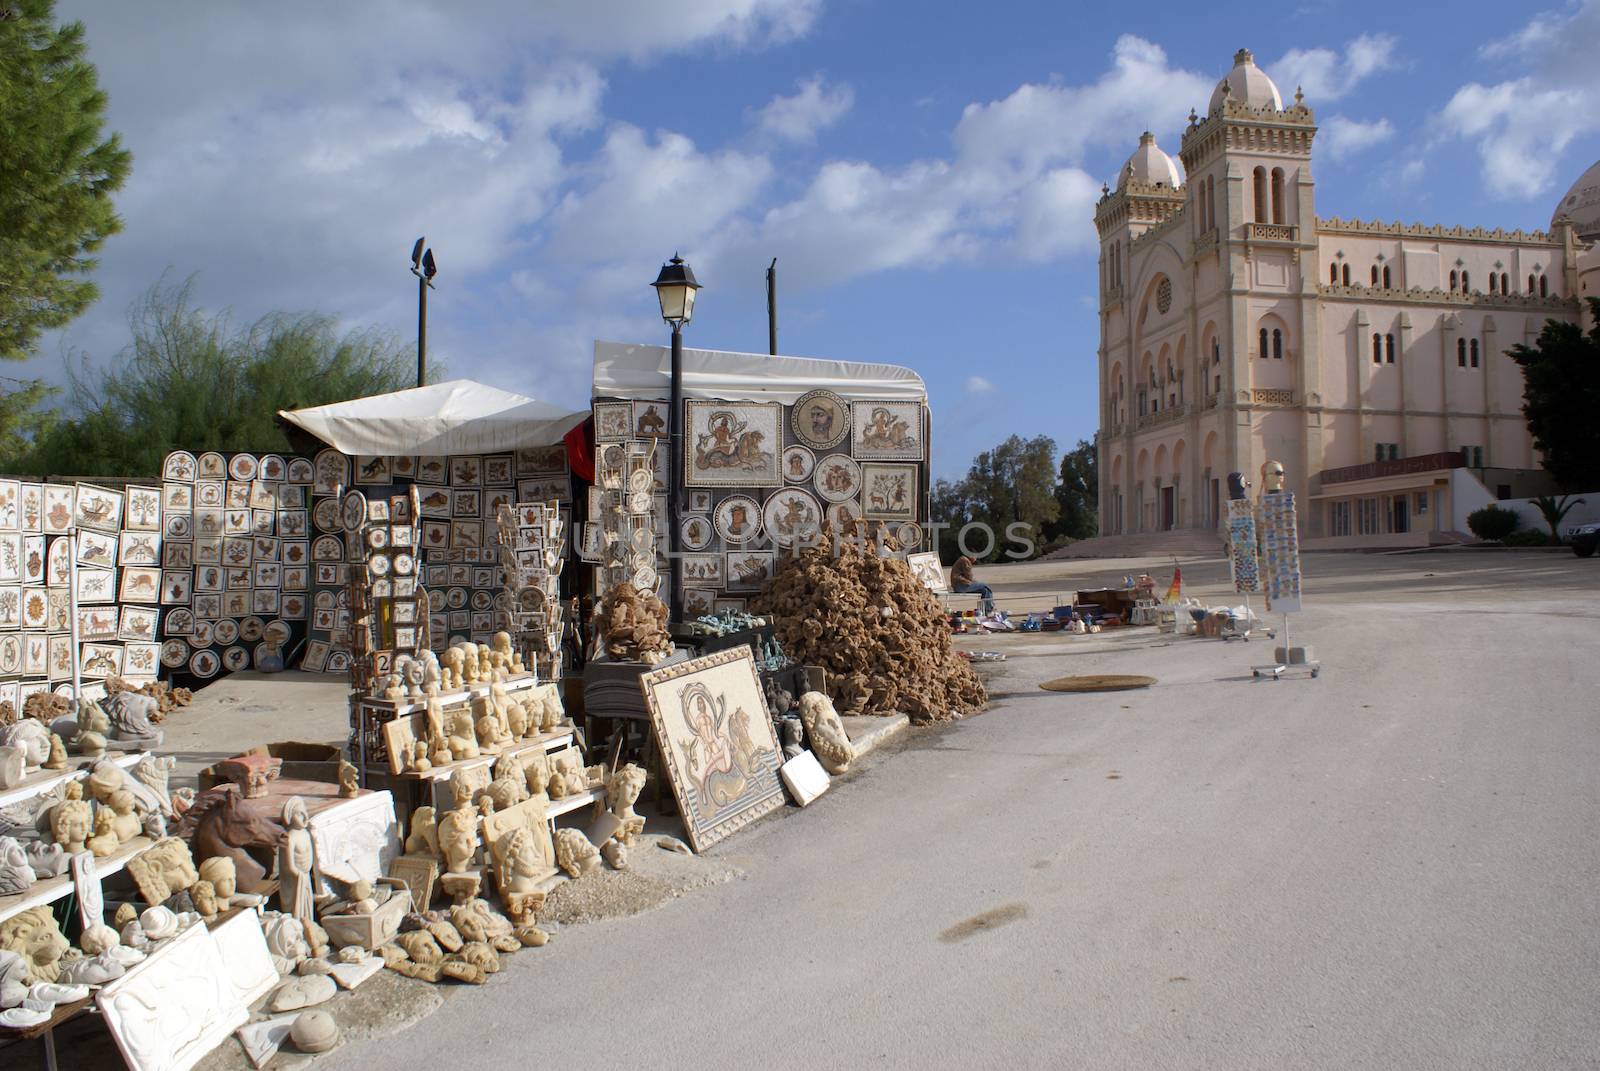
(1278, 530)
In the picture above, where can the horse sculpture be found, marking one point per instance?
(223, 823)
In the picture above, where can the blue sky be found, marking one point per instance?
(924, 173)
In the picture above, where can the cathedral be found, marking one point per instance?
(1237, 326)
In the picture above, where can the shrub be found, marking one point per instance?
(1492, 522)
(1528, 537)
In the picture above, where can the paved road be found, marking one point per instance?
(1393, 866)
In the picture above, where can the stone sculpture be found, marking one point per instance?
(92, 718)
(794, 736)
(204, 895)
(349, 781)
(58, 754)
(31, 736)
(90, 745)
(16, 875)
(153, 773)
(314, 1031)
(491, 731)
(829, 741)
(132, 716)
(220, 823)
(220, 872)
(105, 841)
(70, 821)
(430, 673)
(162, 870)
(295, 859)
(125, 822)
(458, 838)
(48, 860)
(512, 656)
(13, 764)
(424, 836)
(450, 666)
(517, 718)
(33, 936)
(575, 854)
(550, 710)
(460, 733)
(286, 942)
(520, 866)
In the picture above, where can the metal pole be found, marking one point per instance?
(772, 307)
(72, 623)
(675, 476)
(422, 330)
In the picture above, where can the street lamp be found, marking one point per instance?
(424, 268)
(675, 289)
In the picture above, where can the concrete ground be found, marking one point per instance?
(1393, 865)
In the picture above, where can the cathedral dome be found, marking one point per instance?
(1247, 84)
(1150, 165)
(1581, 204)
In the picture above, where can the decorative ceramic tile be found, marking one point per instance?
(170, 1010)
(732, 444)
(887, 431)
(355, 839)
(889, 492)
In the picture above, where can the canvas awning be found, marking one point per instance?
(456, 417)
(628, 370)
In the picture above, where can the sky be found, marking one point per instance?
(925, 173)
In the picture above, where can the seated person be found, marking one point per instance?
(962, 583)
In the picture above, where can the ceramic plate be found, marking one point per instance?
(639, 501)
(226, 632)
(325, 515)
(482, 600)
(378, 565)
(204, 633)
(236, 658)
(837, 478)
(242, 466)
(792, 514)
(820, 419)
(179, 467)
(910, 535)
(839, 511)
(250, 629)
(798, 463)
(174, 653)
(404, 564)
(695, 533)
(457, 599)
(353, 511)
(378, 538)
(205, 664)
(738, 519)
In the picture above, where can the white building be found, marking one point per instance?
(1237, 326)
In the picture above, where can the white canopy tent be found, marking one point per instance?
(456, 417)
(627, 370)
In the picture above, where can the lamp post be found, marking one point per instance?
(675, 288)
(424, 268)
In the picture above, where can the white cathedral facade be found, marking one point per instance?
(1236, 326)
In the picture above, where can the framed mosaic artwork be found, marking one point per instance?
(889, 492)
(715, 737)
(820, 419)
(612, 420)
(732, 444)
(887, 431)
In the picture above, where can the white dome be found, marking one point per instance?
(1247, 84)
(1581, 204)
(1150, 165)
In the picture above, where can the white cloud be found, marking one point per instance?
(1412, 172)
(815, 107)
(1325, 75)
(1340, 136)
(978, 385)
(1521, 126)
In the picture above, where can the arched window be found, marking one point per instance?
(1216, 352)
(1333, 274)
(1277, 195)
(1494, 282)
(1466, 284)
(1347, 275)
(1386, 276)
(1260, 177)
(1263, 343)
(1474, 351)
(1461, 353)
(1374, 275)
(1544, 286)
(1453, 280)
(1505, 283)
(1277, 343)
(1388, 345)
(1377, 348)
(1211, 201)
(1530, 284)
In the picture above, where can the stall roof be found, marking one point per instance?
(625, 370)
(456, 417)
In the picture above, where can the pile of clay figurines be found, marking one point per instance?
(95, 816)
(504, 824)
(47, 733)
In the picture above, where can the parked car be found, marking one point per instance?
(1584, 538)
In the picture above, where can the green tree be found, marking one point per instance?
(1013, 483)
(1560, 395)
(57, 175)
(1078, 494)
(189, 381)
(1554, 510)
